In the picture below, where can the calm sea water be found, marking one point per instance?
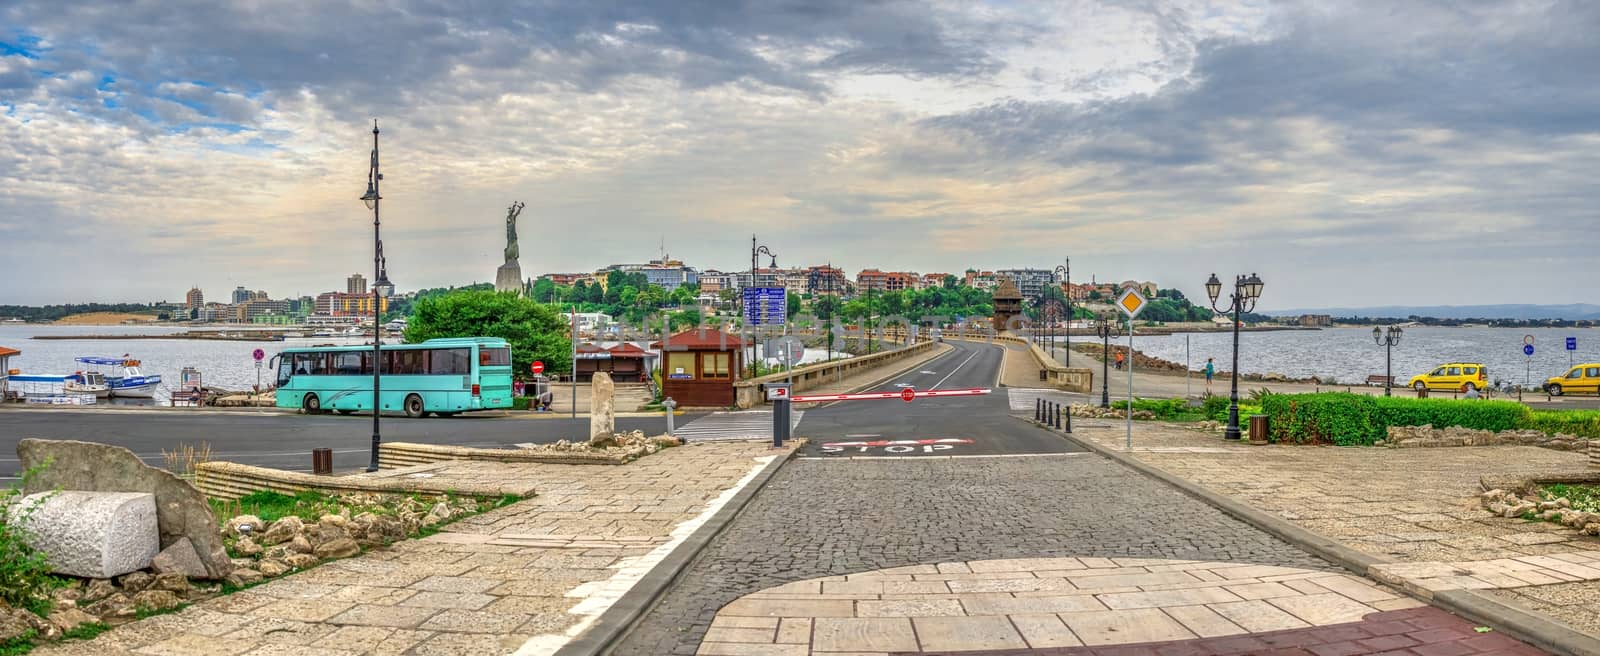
(1350, 355)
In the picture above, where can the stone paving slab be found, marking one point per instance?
(526, 578)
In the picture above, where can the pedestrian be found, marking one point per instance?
(1119, 360)
(545, 399)
(1472, 392)
(1210, 370)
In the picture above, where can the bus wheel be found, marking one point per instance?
(311, 404)
(414, 407)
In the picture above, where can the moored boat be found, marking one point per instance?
(87, 382)
(124, 377)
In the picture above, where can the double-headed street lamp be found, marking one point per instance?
(1064, 274)
(1103, 329)
(381, 289)
(1387, 339)
(1246, 289)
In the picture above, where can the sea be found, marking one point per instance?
(225, 364)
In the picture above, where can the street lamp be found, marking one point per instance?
(381, 289)
(1387, 339)
(756, 252)
(1103, 328)
(1064, 274)
(1246, 289)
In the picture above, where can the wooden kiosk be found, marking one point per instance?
(699, 367)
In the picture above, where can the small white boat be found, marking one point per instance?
(354, 331)
(325, 332)
(87, 382)
(124, 378)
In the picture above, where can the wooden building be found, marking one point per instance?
(701, 367)
(1007, 304)
(625, 362)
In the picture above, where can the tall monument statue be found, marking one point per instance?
(509, 276)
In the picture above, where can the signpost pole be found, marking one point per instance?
(1128, 442)
(574, 330)
(1188, 364)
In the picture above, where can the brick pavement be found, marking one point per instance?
(529, 576)
(821, 518)
(1419, 506)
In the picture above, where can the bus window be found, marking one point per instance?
(456, 361)
(311, 364)
(494, 357)
(351, 363)
(408, 361)
(285, 368)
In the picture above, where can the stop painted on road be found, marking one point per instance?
(895, 446)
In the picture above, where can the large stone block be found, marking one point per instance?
(181, 510)
(602, 408)
(93, 534)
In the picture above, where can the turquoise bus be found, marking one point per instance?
(441, 376)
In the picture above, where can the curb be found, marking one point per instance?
(1470, 604)
(618, 621)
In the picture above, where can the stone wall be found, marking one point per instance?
(1079, 380)
(747, 393)
(1428, 436)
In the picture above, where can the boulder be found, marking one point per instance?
(12, 623)
(602, 409)
(93, 534)
(156, 600)
(98, 589)
(340, 548)
(180, 558)
(134, 582)
(271, 568)
(112, 608)
(283, 530)
(300, 561)
(300, 544)
(181, 510)
(246, 547)
(244, 525)
(243, 576)
(171, 582)
(68, 619)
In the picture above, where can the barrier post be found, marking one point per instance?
(1038, 409)
(778, 394)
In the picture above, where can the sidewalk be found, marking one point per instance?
(1417, 506)
(527, 577)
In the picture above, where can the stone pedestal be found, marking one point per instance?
(94, 534)
(602, 408)
(508, 278)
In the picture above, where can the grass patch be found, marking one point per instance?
(1164, 409)
(1585, 498)
(21, 644)
(86, 631)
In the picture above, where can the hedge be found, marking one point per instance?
(1356, 419)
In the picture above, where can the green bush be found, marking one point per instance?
(1215, 406)
(521, 402)
(25, 578)
(1582, 423)
(1440, 413)
(1329, 418)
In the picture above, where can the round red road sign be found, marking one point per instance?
(907, 394)
(538, 367)
(258, 354)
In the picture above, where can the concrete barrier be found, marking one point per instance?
(94, 535)
(747, 393)
(1070, 379)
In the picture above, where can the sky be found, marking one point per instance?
(1349, 152)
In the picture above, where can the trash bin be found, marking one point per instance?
(1258, 429)
(322, 461)
(1422, 392)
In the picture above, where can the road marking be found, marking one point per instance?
(953, 371)
(952, 457)
(743, 425)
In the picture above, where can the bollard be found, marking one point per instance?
(1069, 419)
(669, 404)
(778, 394)
(1049, 410)
(1055, 416)
(1038, 409)
(322, 461)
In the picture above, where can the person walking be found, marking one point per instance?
(1119, 360)
(1210, 370)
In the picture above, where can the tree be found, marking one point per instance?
(544, 290)
(534, 330)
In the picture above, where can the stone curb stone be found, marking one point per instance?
(94, 535)
(1516, 622)
(618, 621)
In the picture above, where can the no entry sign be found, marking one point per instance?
(537, 367)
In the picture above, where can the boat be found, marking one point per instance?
(395, 326)
(354, 331)
(87, 382)
(48, 389)
(324, 332)
(124, 377)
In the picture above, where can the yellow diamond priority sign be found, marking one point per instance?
(1131, 302)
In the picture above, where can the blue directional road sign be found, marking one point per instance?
(765, 306)
(1527, 349)
(1572, 343)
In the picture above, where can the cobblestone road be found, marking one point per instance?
(821, 518)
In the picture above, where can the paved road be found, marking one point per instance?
(937, 426)
(282, 440)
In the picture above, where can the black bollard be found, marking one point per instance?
(1038, 409)
(1069, 419)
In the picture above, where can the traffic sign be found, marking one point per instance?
(786, 349)
(777, 392)
(537, 367)
(1130, 302)
(765, 306)
(1572, 343)
(1527, 349)
(1527, 339)
(258, 354)
(907, 394)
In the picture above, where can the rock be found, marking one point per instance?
(272, 568)
(93, 534)
(69, 593)
(135, 582)
(112, 608)
(156, 600)
(244, 525)
(246, 547)
(602, 409)
(180, 558)
(1497, 508)
(277, 552)
(13, 625)
(98, 589)
(244, 562)
(181, 510)
(283, 530)
(1591, 529)
(300, 561)
(68, 619)
(1563, 503)
(341, 548)
(442, 510)
(330, 528)
(1547, 505)
(300, 545)
(243, 576)
(171, 582)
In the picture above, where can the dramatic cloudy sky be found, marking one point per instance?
(1352, 153)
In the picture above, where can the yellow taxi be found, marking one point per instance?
(1582, 379)
(1453, 377)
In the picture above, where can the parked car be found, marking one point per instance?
(1453, 377)
(1582, 379)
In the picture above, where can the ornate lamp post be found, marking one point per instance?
(381, 289)
(1103, 328)
(755, 252)
(1064, 274)
(1246, 289)
(1387, 339)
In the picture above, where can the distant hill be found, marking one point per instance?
(1572, 312)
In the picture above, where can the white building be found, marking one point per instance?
(588, 321)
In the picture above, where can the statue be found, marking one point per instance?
(511, 230)
(509, 276)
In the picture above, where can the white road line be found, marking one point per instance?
(953, 371)
(995, 455)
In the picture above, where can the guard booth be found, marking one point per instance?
(699, 367)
